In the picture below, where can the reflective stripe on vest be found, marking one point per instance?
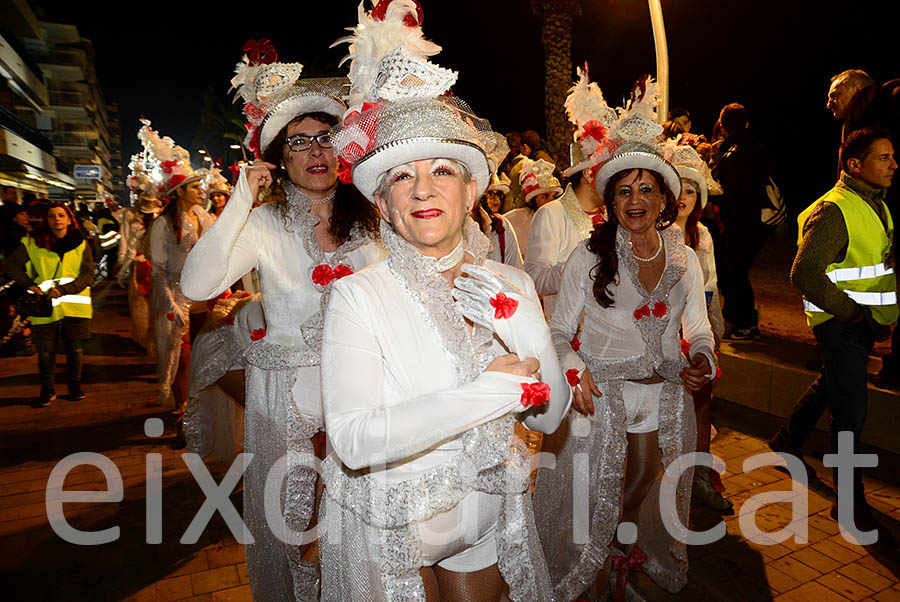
(868, 271)
(861, 298)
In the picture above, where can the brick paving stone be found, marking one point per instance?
(888, 595)
(884, 567)
(235, 594)
(779, 581)
(242, 573)
(175, 588)
(811, 592)
(194, 564)
(845, 586)
(789, 565)
(214, 579)
(816, 560)
(225, 555)
(862, 575)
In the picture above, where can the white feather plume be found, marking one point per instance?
(585, 103)
(644, 101)
(244, 78)
(371, 40)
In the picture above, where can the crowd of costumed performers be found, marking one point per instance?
(358, 315)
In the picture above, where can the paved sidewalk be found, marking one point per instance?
(39, 566)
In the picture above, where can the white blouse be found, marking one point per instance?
(613, 335)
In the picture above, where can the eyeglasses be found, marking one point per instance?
(302, 142)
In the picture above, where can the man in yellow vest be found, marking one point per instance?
(845, 269)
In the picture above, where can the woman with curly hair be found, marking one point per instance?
(637, 287)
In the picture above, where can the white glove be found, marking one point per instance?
(488, 299)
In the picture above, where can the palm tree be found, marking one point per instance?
(557, 16)
(221, 125)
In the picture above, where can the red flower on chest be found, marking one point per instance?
(323, 274)
(257, 334)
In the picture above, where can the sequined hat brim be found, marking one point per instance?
(637, 160)
(283, 113)
(378, 161)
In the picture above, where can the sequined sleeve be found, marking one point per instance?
(570, 305)
(227, 251)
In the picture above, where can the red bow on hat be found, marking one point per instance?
(624, 566)
(260, 52)
(380, 12)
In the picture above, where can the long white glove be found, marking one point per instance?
(488, 299)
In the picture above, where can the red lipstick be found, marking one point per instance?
(427, 213)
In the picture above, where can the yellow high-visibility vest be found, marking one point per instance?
(862, 275)
(44, 268)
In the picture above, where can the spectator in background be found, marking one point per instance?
(56, 261)
(533, 140)
(518, 151)
(16, 226)
(743, 172)
(680, 116)
(10, 196)
(860, 102)
(486, 213)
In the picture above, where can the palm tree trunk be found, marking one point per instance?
(557, 17)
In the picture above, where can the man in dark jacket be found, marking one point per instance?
(743, 172)
(855, 98)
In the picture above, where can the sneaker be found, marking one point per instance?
(741, 334)
(865, 521)
(708, 489)
(781, 445)
(46, 398)
(75, 393)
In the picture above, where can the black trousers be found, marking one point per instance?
(841, 387)
(73, 331)
(736, 250)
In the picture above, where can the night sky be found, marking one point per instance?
(774, 57)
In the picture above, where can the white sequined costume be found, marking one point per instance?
(423, 438)
(637, 335)
(283, 400)
(132, 252)
(213, 421)
(169, 308)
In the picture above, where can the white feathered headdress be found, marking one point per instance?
(591, 116)
(387, 55)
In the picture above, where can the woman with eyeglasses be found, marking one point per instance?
(313, 232)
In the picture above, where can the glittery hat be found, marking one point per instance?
(274, 94)
(214, 181)
(591, 116)
(499, 183)
(399, 111)
(691, 167)
(536, 177)
(633, 140)
(167, 164)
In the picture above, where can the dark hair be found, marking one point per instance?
(859, 144)
(690, 226)
(602, 242)
(172, 211)
(733, 117)
(43, 236)
(672, 128)
(532, 139)
(678, 112)
(349, 205)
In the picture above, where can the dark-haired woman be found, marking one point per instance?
(638, 287)
(56, 261)
(312, 232)
(174, 318)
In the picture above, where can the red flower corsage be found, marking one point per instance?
(257, 334)
(685, 347)
(535, 394)
(229, 320)
(341, 270)
(245, 294)
(323, 274)
(167, 166)
(171, 316)
(718, 375)
(504, 307)
(575, 343)
(659, 309)
(572, 377)
(641, 312)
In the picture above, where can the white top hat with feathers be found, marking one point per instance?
(591, 116)
(397, 108)
(691, 167)
(168, 165)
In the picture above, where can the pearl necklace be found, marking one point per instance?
(324, 200)
(654, 256)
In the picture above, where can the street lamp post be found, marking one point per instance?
(662, 58)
